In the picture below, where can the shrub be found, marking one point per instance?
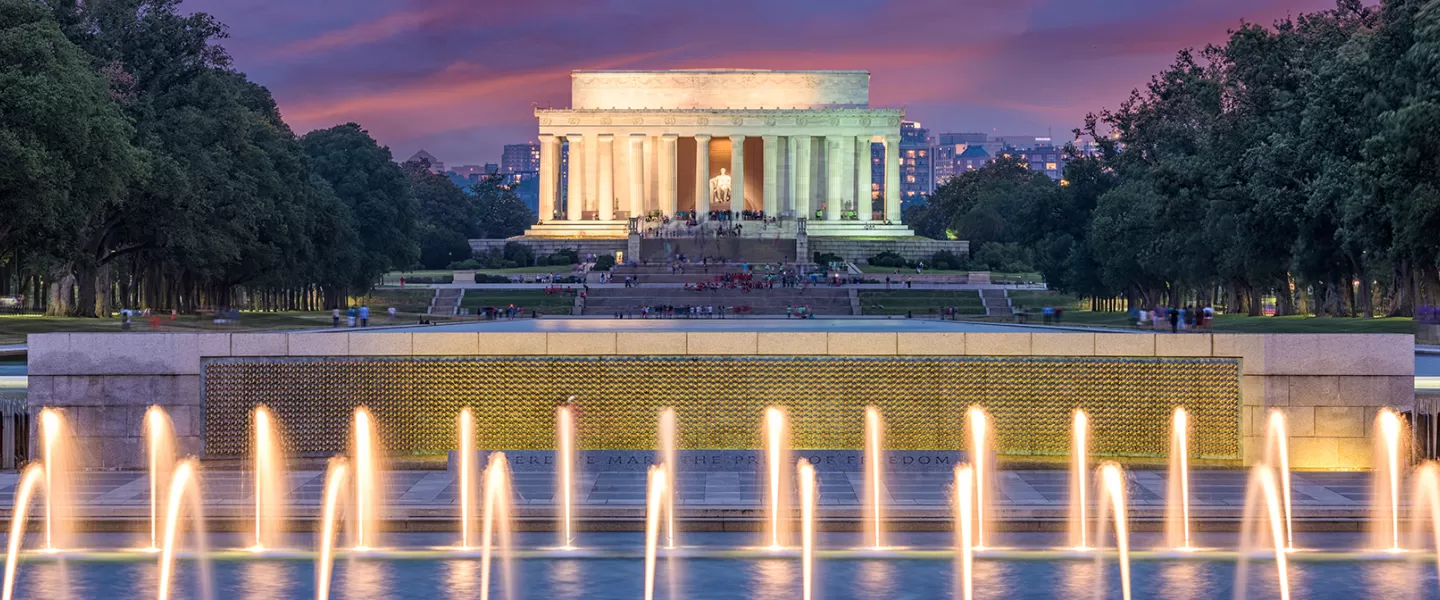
(604, 262)
(542, 261)
(1006, 258)
(827, 258)
(491, 278)
(888, 259)
(418, 279)
(518, 253)
(508, 264)
(561, 259)
(468, 264)
(946, 260)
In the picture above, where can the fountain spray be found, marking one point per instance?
(160, 454)
(965, 519)
(668, 457)
(982, 449)
(874, 446)
(1079, 480)
(1277, 455)
(20, 511)
(1113, 499)
(805, 472)
(775, 453)
(1263, 492)
(565, 444)
(1177, 504)
(654, 504)
(325, 559)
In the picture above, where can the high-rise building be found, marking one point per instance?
(917, 166)
(960, 152)
(1042, 159)
(520, 158)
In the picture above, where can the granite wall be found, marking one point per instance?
(1329, 386)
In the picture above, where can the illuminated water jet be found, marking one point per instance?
(368, 491)
(1388, 429)
(1425, 494)
(1277, 455)
(874, 447)
(982, 456)
(1113, 498)
(565, 447)
(654, 504)
(1263, 492)
(325, 559)
(54, 441)
(775, 451)
(30, 478)
(1177, 497)
(805, 473)
(965, 518)
(668, 457)
(184, 485)
(466, 432)
(496, 523)
(160, 455)
(1079, 480)
(271, 481)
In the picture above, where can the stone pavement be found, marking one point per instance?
(1219, 494)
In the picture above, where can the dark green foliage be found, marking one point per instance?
(888, 259)
(604, 262)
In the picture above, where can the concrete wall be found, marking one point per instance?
(546, 247)
(910, 248)
(1329, 386)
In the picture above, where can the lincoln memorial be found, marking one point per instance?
(792, 147)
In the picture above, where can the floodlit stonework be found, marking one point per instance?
(790, 144)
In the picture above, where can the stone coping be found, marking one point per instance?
(137, 353)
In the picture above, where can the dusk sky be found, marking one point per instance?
(458, 78)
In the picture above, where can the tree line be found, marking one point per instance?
(139, 168)
(1297, 161)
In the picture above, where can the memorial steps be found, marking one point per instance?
(821, 301)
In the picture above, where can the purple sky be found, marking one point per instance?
(458, 77)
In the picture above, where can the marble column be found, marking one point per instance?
(575, 191)
(802, 176)
(771, 168)
(605, 188)
(863, 176)
(836, 155)
(787, 197)
(702, 177)
(892, 178)
(737, 173)
(549, 175)
(667, 174)
(636, 163)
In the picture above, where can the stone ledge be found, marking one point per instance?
(577, 343)
(663, 343)
(997, 344)
(512, 344)
(799, 343)
(444, 344)
(930, 344)
(861, 344)
(380, 344)
(723, 343)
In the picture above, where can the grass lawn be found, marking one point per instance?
(13, 329)
(925, 302)
(536, 300)
(413, 301)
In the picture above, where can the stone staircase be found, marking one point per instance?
(997, 302)
(728, 249)
(446, 301)
(821, 300)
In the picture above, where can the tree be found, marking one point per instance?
(446, 216)
(377, 193)
(65, 149)
(502, 213)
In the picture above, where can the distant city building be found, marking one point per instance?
(1043, 159)
(435, 165)
(469, 172)
(491, 168)
(520, 158)
(1023, 142)
(953, 146)
(972, 158)
(917, 164)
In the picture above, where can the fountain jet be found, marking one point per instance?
(325, 559)
(466, 432)
(668, 433)
(805, 472)
(965, 529)
(982, 456)
(184, 485)
(30, 478)
(1112, 498)
(56, 444)
(1425, 494)
(775, 451)
(369, 492)
(1177, 504)
(1388, 430)
(1277, 455)
(654, 504)
(160, 454)
(1263, 492)
(271, 481)
(874, 447)
(496, 523)
(565, 444)
(1079, 480)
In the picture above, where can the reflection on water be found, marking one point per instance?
(876, 579)
(775, 580)
(567, 580)
(263, 581)
(462, 578)
(1035, 578)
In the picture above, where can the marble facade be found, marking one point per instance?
(793, 144)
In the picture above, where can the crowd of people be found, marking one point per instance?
(1179, 318)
